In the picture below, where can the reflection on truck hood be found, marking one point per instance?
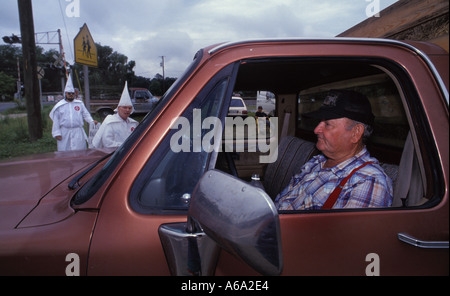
(24, 181)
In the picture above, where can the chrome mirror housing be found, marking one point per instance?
(189, 251)
(242, 219)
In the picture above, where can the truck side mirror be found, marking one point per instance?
(240, 218)
(188, 250)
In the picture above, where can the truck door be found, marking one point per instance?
(409, 238)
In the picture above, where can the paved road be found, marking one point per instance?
(8, 105)
(5, 106)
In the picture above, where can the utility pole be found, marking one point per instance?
(33, 101)
(164, 75)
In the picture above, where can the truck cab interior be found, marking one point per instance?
(402, 141)
(300, 85)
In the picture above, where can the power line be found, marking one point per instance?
(65, 26)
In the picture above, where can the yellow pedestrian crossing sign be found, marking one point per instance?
(85, 49)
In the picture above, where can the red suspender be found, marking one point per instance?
(329, 203)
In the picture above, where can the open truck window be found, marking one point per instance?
(298, 86)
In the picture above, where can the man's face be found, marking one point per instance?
(70, 96)
(335, 137)
(124, 111)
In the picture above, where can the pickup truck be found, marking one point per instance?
(142, 99)
(176, 198)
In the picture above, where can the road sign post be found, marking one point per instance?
(86, 55)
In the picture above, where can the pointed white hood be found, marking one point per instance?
(125, 99)
(69, 85)
(69, 88)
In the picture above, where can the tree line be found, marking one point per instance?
(113, 70)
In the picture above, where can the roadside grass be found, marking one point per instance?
(14, 138)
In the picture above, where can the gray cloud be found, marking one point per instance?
(144, 30)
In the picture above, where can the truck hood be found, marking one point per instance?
(25, 181)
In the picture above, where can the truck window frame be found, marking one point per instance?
(226, 76)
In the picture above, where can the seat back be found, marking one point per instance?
(293, 153)
(409, 187)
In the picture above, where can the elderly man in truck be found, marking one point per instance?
(344, 175)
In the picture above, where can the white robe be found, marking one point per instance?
(113, 131)
(68, 122)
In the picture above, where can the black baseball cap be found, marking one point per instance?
(345, 103)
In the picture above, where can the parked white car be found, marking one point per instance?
(237, 107)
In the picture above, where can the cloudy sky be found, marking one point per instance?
(145, 30)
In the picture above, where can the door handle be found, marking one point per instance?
(406, 238)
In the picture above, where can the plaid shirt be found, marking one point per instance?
(308, 190)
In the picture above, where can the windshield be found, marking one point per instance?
(143, 94)
(236, 103)
(91, 187)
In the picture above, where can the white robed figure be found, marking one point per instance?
(116, 128)
(68, 117)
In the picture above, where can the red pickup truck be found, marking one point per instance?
(176, 199)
